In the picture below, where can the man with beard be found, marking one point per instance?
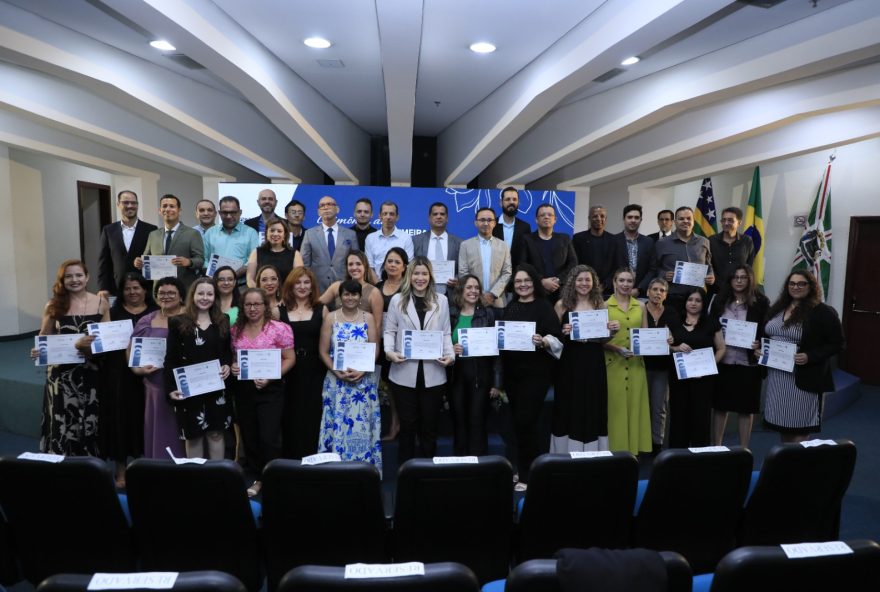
(511, 229)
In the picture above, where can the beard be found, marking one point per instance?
(511, 210)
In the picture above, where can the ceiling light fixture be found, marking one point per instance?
(482, 47)
(162, 45)
(630, 61)
(317, 43)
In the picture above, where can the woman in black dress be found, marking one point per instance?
(393, 267)
(200, 334)
(301, 417)
(275, 251)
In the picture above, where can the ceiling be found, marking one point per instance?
(242, 98)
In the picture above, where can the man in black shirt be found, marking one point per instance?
(363, 226)
(730, 248)
(550, 253)
(595, 247)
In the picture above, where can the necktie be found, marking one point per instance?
(168, 235)
(331, 244)
(438, 249)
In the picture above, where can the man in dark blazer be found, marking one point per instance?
(665, 221)
(595, 247)
(635, 250)
(267, 202)
(550, 253)
(177, 239)
(326, 262)
(439, 242)
(121, 243)
(511, 229)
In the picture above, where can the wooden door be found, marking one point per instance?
(861, 300)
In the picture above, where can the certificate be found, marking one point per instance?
(355, 355)
(699, 362)
(57, 349)
(110, 336)
(649, 342)
(777, 354)
(198, 379)
(147, 351)
(443, 271)
(690, 274)
(479, 341)
(422, 345)
(259, 363)
(515, 335)
(218, 261)
(158, 266)
(589, 324)
(739, 333)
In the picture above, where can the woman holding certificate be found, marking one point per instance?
(580, 407)
(393, 268)
(741, 306)
(160, 424)
(529, 374)
(629, 416)
(200, 334)
(259, 401)
(690, 399)
(268, 281)
(70, 406)
(658, 315)
(475, 379)
(227, 290)
(418, 343)
(793, 406)
(351, 424)
(275, 251)
(357, 268)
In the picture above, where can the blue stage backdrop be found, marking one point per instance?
(412, 202)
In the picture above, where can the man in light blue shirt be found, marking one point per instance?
(231, 238)
(379, 243)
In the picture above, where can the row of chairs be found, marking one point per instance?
(190, 517)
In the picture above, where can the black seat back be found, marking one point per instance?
(8, 568)
(318, 503)
(76, 497)
(693, 504)
(461, 512)
(193, 581)
(439, 577)
(798, 494)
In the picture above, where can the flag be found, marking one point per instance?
(754, 224)
(814, 249)
(704, 215)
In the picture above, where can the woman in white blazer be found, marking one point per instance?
(418, 385)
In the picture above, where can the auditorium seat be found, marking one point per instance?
(439, 577)
(798, 494)
(193, 581)
(334, 509)
(191, 517)
(578, 503)
(455, 512)
(8, 569)
(64, 517)
(768, 568)
(693, 504)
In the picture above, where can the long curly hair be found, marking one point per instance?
(287, 290)
(569, 295)
(60, 301)
(808, 303)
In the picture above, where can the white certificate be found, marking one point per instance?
(649, 342)
(355, 355)
(515, 335)
(57, 349)
(422, 345)
(218, 261)
(777, 354)
(259, 363)
(158, 266)
(699, 362)
(478, 341)
(739, 333)
(690, 274)
(589, 324)
(147, 351)
(443, 271)
(111, 336)
(198, 379)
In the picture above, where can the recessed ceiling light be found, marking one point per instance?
(482, 47)
(630, 61)
(317, 42)
(162, 45)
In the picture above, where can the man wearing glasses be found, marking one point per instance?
(121, 243)
(295, 212)
(325, 247)
(729, 247)
(231, 238)
(487, 257)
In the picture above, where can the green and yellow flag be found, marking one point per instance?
(754, 224)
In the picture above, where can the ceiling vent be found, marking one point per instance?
(762, 3)
(331, 63)
(609, 75)
(185, 61)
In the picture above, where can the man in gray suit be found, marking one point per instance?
(437, 244)
(487, 257)
(325, 247)
(175, 239)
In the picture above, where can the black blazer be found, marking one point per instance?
(646, 269)
(521, 228)
(563, 254)
(113, 260)
(756, 313)
(822, 339)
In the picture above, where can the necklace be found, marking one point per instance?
(199, 340)
(346, 319)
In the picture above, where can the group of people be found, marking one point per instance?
(270, 283)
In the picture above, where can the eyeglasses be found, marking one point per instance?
(326, 205)
(486, 220)
(798, 284)
(740, 278)
(296, 212)
(168, 295)
(254, 304)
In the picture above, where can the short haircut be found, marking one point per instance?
(391, 204)
(543, 206)
(170, 196)
(204, 200)
(230, 199)
(506, 189)
(735, 211)
(661, 212)
(677, 210)
(294, 202)
(632, 208)
(438, 204)
(119, 195)
(485, 209)
(350, 286)
(365, 200)
(596, 207)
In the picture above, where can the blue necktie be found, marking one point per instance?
(331, 244)
(168, 235)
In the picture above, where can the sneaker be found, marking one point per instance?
(521, 487)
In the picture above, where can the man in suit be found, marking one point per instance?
(512, 229)
(487, 257)
(665, 220)
(325, 247)
(595, 247)
(176, 239)
(121, 243)
(267, 201)
(635, 250)
(437, 244)
(551, 254)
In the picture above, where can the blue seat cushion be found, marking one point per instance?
(494, 586)
(257, 511)
(702, 583)
(123, 501)
(641, 488)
